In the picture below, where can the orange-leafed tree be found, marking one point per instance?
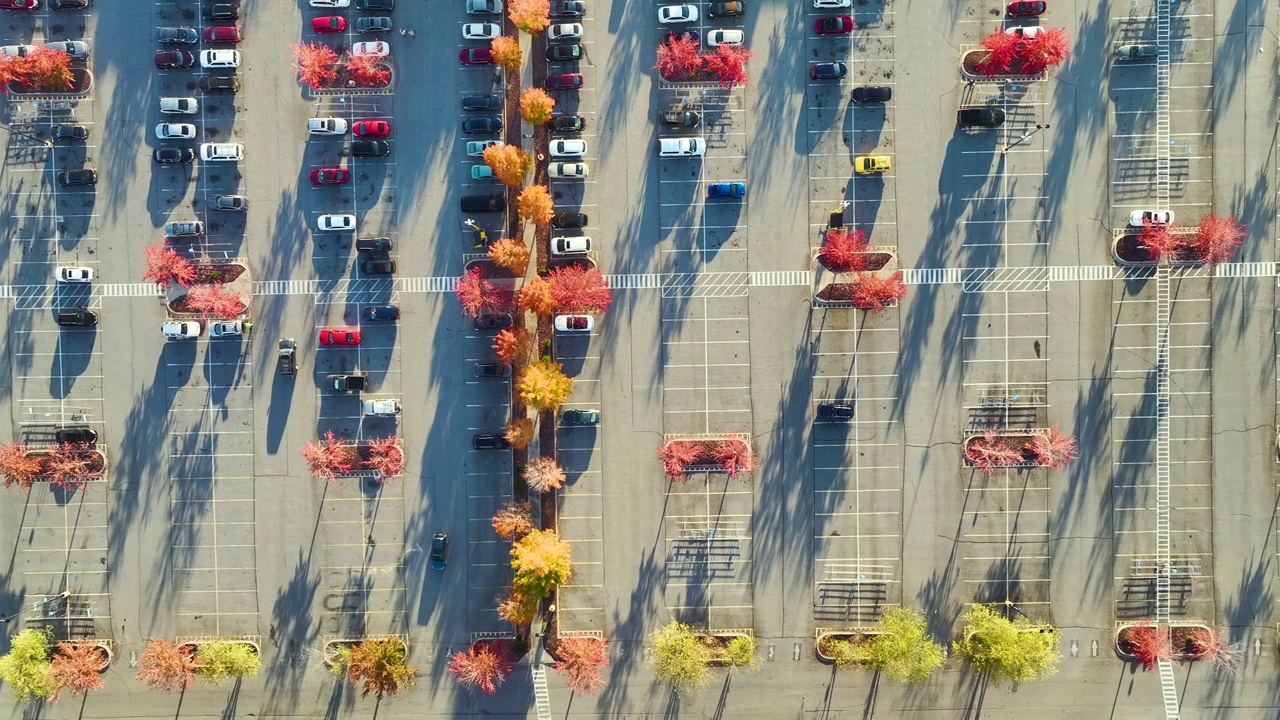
(544, 385)
(512, 345)
(378, 667)
(506, 52)
(17, 467)
(542, 474)
(385, 455)
(535, 297)
(12, 69)
(317, 64)
(579, 289)
(480, 295)
(49, 70)
(77, 668)
(729, 63)
(513, 520)
(368, 70)
(1050, 48)
(330, 456)
(517, 607)
(166, 667)
(511, 254)
(510, 164)
(580, 660)
(536, 106)
(541, 561)
(1158, 241)
(536, 205)
(531, 16)
(678, 58)
(1002, 48)
(1218, 237)
(211, 301)
(844, 250)
(872, 292)
(71, 465)
(484, 665)
(165, 267)
(519, 432)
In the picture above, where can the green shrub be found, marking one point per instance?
(218, 660)
(27, 666)
(679, 657)
(1007, 650)
(903, 651)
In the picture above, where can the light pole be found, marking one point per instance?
(64, 595)
(1025, 135)
(47, 143)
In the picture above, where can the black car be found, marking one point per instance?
(835, 412)
(481, 102)
(439, 551)
(177, 35)
(374, 313)
(492, 441)
(567, 123)
(486, 321)
(376, 4)
(69, 132)
(872, 94)
(482, 126)
(174, 155)
(83, 176)
(580, 417)
(373, 244)
(569, 220)
(377, 23)
(234, 203)
(828, 70)
(170, 59)
(222, 11)
(491, 370)
(69, 4)
(378, 267)
(726, 8)
(979, 117)
(568, 8)
(79, 435)
(219, 84)
(370, 148)
(693, 35)
(564, 53)
(76, 317)
(483, 203)
(679, 117)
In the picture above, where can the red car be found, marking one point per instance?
(371, 128)
(340, 336)
(1027, 8)
(563, 81)
(838, 25)
(330, 176)
(222, 34)
(476, 56)
(329, 24)
(19, 4)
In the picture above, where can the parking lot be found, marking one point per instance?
(707, 529)
(362, 566)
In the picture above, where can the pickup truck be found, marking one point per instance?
(327, 126)
(389, 406)
(287, 359)
(348, 383)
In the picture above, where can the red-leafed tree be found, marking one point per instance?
(1149, 645)
(1002, 48)
(211, 301)
(317, 64)
(535, 297)
(385, 456)
(676, 455)
(729, 63)
(991, 452)
(1054, 448)
(17, 467)
(1158, 241)
(872, 292)
(77, 668)
(580, 661)
(367, 70)
(49, 70)
(530, 16)
(12, 69)
(678, 58)
(165, 267)
(71, 465)
(844, 250)
(1218, 237)
(734, 455)
(1216, 647)
(579, 289)
(166, 667)
(480, 295)
(330, 456)
(512, 345)
(1050, 48)
(484, 665)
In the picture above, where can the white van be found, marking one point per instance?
(681, 147)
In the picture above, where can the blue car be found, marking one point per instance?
(727, 190)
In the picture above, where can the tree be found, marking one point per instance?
(484, 665)
(536, 106)
(872, 292)
(1149, 645)
(70, 465)
(734, 455)
(49, 70)
(218, 660)
(678, 657)
(579, 660)
(330, 456)
(378, 666)
(535, 297)
(17, 467)
(518, 607)
(542, 474)
(510, 164)
(579, 289)
(519, 432)
(513, 520)
(1054, 448)
(1157, 240)
(530, 16)
(13, 69)
(535, 205)
(506, 52)
(1012, 651)
(368, 70)
(676, 454)
(510, 254)
(211, 301)
(541, 561)
(729, 63)
(317, 64)
(1002, 48)
(544, 385)
(480, 296)
(77, 668)
(903, 650)
(26, 669)
(166, 667)
(385, 455)
(844, 250)
(1050, 48)
(1218, 237)
(991, 452)
(512, 346)
(165, 267)
(1216, 647)
(678, 58)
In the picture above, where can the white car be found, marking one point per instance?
(484, 7)
(77, 49)
(726, 37)
(16, 50)
(388, 406)
(475, 148)
(668, 14)
(565, 31)
(370, 48)
(821, 4)
(681, 147)
(224, 328)
(574, 323)
(221, 152)
(175, 131)
(74, 274)
(219, 58)
(184, 330)
(331, 3)
(568, 170)
(576, 245)
(179, 105)
(336, 222)
(327, 126)
(480, 31)
(568, 148)
(1026, 31)
(1138, 218)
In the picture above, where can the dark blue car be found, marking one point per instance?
(381, 312)
(727, 190)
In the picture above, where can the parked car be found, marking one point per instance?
(380, 313)
(76, 317)
(1026, 32)
(670, 35)
(287, 357)
(491, 370)
(330, 176)
(1027, 8)
(378, 267)
(828, 70)
(76, 435)
(489, 321)
(484, 7)
(480, 31)
(568, 148)
(834, 25)
(567, 123)
(232, 203)
(73, 274)
(574, 323)
(1138, 218)
(681, 147)
(327, 126)
(336, 222)
(565, 53)
(375, 4)
(490, 441)
(330, 3)
(439, 549)
(482, 203)
(221, 152)
(475, 56)
(835, 412)
(868, 164)
(569, 220)
(568, 8)
(15, 51)
(181, 330)
(482, 125)
(679, 116)
(226, 328)
(175, 131)
(979, 117)
(828, 4)
(574, 171)
(580, 417)
(726, 8)
(563, 81)
(370, 148)
(173, 59)
(184, 228)
(228, 34)
(727, 190)
(77, 49)
(872, 94)
(371, 128)
(82, 176)
(179, 105)
(373, 244)
(1137, 52)
(476, 148)
(19, 4)
(669, 14)
(62, 4)
(213, 59)
(481, 172)
(716, 38)
(481, 102)
(222, 11)
(69, 132)
(329, 24)
(340, 336)
(384, 406)
(172, 35)
(565, 31)
(348, 383)
(219, 84)
(374, 24)
(370, 48)
(570, 245)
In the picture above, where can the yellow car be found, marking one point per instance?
(867, 164)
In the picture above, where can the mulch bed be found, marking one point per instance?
(870, 263)
(837, 292)
(973, 62)
(218, 273)
(1130, 249)
(182, 306)
(698, 76)
(346, 80)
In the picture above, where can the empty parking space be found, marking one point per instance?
(580, 518)
(362, 559)
(64, 547)
(707, 532)
(706, 378)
